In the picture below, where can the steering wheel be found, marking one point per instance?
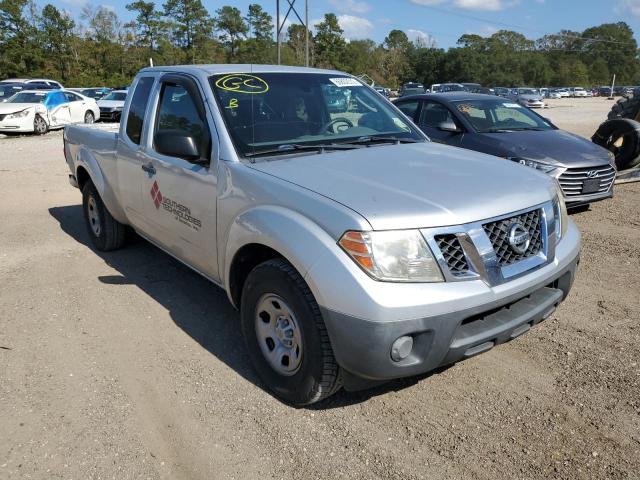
(335, 121)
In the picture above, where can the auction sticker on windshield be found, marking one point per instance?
(345, 82)
(511, 105)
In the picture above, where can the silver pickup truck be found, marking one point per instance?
(356, 250)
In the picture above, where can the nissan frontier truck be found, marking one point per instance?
(356, 250)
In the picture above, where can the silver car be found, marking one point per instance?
(356, 250)
(528, 97)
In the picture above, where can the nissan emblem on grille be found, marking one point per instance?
(519, 238)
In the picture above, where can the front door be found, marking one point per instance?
(179, 194)
(58, 109)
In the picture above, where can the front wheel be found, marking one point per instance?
(106, 232)
(89, 117)
(40, 126)
(286, 336)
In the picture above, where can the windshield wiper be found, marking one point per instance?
(369, 139)
(496, 130)
(293, 147)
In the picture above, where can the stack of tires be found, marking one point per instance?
(621, 133)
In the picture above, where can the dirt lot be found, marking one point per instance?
(128, 365)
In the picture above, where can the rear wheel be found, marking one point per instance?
(40, 126)
(106, 232)
(286, 336)
(89, 117)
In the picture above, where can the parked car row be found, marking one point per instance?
(38, 105)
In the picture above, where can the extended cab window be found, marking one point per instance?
(137, 109)
(178, 115)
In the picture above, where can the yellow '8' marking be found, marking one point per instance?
(233, 103)
(242, 83)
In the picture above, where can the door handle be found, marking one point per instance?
(149, 168)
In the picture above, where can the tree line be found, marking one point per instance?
(100, 49)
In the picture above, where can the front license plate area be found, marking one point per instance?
(591, 185)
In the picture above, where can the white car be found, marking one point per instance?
(39, 111)
(111, 105)
(564, 93)
(554, 94)
(578, 92)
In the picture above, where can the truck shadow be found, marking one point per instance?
(198, 307)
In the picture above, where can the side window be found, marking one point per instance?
(409, 109)
(433, 114)
(137, 108)
(178, 115)
(72, 97)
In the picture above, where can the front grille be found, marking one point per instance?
(572, 180)
(2, 116)
(453, 254)
(498, 233)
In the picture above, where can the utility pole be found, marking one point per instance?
(280, 26)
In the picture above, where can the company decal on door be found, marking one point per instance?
(180, 212)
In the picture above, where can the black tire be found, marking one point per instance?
(89, 117)
(40, 126)
(620, 136)
(626, 107)
(106, 232)
(318, 375)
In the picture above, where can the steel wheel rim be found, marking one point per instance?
(88, 117)
(41, 126)
(278, 334)
(94, 216)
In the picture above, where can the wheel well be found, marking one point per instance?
(82, 176)
(245, 260)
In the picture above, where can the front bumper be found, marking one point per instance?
(454, 321)
(22, 125)
(108, 114)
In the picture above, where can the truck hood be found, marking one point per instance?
(416, 185)
(554, 147)
(18, 107)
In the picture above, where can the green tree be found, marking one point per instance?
(260, 23)
(329, 43)
(19, 49)
(190, 25)
(230, 24)
(57, 40)
(149, 25)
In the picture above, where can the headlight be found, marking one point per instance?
(560, 216)
(543, 167)
(20, 114)
(392, 256)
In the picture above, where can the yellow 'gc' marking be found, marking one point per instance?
(242, 83)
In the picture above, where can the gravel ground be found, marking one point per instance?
(129, 365)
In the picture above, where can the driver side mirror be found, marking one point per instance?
(449, 126)
(178, 143)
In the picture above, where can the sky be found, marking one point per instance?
(443, 21)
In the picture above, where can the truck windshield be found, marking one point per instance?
(265, 112)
